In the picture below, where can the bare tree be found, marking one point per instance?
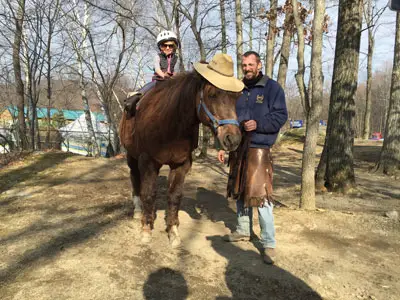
(105, 82)
(193, 19)
(19, 85)
(297, 11)
(223, 26)
(178, 35)
(339, 174)
(371, 17)
(78, 36)
(313, 109)
(197, 24)
(251, 24)
(272, 17)
(52, 15)
(389, 162)
(34, 58)
(286, 41)
(239, 38)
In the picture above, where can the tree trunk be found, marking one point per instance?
(368, 100)
(307, 200)
(321, 169)
(178, 35)
(251, 24)
(223, 26)
(49, 94)
(269, 59)
(82, 85)
(113, 138)
(285, 52)
(38, 143)
(239, 38)
(19, 85)
(389, 162)
(28, 66)
(340, 169)
(300, 60)
(86, 108)
(203, 55)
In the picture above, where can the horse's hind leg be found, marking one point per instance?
(148, 171)
(135, 180)
(175, 183)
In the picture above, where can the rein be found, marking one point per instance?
(214, 121)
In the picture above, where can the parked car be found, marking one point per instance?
(376, 136)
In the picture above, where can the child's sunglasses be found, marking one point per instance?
(168, 46)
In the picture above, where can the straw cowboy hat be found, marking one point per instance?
(219, 72)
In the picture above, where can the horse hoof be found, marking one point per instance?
(137, 207)
(137, 214)
(174, 238)
(146, 237)
(175, 242)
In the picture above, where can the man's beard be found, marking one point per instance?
(253, 80)
(251, 75)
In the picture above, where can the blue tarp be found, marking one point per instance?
(69, 114)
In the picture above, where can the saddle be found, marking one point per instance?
(250, 174)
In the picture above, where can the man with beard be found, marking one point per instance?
(261, 111)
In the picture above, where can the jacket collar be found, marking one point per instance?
(261, 83)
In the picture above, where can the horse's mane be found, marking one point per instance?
(169, 109)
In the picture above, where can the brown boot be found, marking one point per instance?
(130, 104)
(269, 256)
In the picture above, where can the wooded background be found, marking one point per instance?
(88, 54)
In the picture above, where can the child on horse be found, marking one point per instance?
(166, 59)
(164, 66)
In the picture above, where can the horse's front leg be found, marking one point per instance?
(175, 183)
(148, 174)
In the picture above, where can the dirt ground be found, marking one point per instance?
(67, 232)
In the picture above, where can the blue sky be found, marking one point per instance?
(384, 45)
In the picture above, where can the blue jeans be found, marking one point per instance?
(147, 87)
(265, 218)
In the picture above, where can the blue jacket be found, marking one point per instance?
(264, 103)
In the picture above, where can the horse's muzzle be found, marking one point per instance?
(229, 137)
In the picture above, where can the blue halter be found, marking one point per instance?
(214, 122)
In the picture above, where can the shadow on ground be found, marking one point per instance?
(165, 283)
(45, 161)
(74, 231)
(248, 278)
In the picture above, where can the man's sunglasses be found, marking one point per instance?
(168, 46)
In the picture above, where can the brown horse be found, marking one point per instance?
(164, 131)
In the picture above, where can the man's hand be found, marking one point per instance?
(250, 125)
(221, 156)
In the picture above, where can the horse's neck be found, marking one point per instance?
(185, 120)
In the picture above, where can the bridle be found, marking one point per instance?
(215, 123)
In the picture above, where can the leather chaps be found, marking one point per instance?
(250, 174)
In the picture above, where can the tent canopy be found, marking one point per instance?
(79, 127)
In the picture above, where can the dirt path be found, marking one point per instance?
(66, 232)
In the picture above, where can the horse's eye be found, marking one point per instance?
(212, 96)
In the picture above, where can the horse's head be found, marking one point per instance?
(216, 109)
